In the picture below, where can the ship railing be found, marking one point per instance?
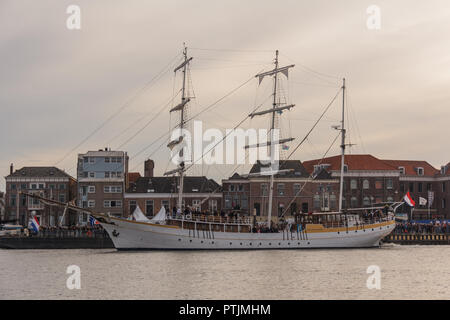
(214, 219)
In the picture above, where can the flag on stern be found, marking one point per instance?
(407, 198)
(93, 221)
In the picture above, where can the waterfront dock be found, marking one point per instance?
(59, 239)
(418, 239)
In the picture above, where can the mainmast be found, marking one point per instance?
(181, 107)
(276, 107)
(341, 182)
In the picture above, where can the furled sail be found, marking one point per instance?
(160, 217)
(139, 216)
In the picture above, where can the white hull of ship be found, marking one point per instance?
(131, 235)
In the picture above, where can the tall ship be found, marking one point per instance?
(185, 230)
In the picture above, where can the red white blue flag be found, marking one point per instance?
(407, 198)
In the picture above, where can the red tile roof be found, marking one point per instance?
(133, 176)
(358, 162)
(412, 165)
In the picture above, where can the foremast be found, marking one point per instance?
(181, 107)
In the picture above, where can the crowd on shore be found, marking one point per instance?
(434, 227)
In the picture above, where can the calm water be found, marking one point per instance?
(407, 272)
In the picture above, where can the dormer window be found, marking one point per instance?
(345, 168)
(443, 169)
(420, 171)
(402, 170)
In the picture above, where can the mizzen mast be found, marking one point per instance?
(341, 182)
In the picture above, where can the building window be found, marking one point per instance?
(420, 187)
(366, 201)
(264, 189)
(244, 202)
(390, 199)
(52, 186)
(107, 160)
(420, 171)
(165, 204)
(241, 187)
(236, 202)
(402, 187)
(106, 174)
(378, 184)
(112, 203)
(91, 203)
(91, 174)
(62, 198)
(280, 188)
(91, 160)
(149, 207)
(443, 187)
(366, 184)
(333, 202)
(389, 184)
(443, 203)
(411, 187)
(212, 205)
(13, 200)
(231, 187)
(112, 189)
(196, 204)
(132, 205)
(353, 184)
(86, 159)
(41, 186)
(296, 189)
(227, 202)
(91, 189)
(402, 170)
(316, 202)
(429, 187)
(353, 202)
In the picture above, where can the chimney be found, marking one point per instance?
(149, 165)
(11, 169)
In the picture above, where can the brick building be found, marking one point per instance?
(102, 181)
(2, 206)
(251, 193)
(48, 182)
(152, 193)
(419, 178)
(367, 180)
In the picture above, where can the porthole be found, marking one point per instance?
(270, 244)
(356, 230)
(289, 243)
(372, 229)
(339, 232)
(241, 243)
(279, 243)
(190, 240)
(231, 243)
(260, 243)
(298, 243)
(201, 241)
(212, 242)
(250, 243)
(308, 242)
(179, 239)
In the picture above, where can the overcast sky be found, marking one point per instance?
(58, 86)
